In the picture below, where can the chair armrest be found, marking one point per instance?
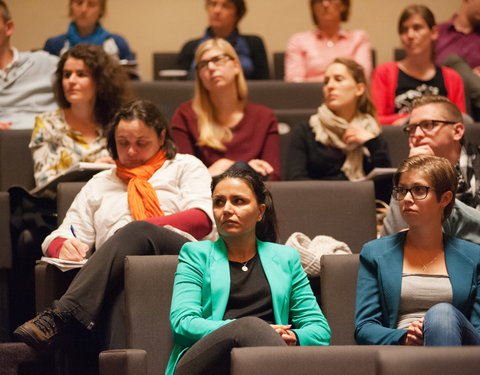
(5, 242)
(123, 362)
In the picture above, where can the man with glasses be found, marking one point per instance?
(436, 128)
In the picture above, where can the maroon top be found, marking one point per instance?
(254, 137)
(451, 41)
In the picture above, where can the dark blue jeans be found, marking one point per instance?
(445, 325)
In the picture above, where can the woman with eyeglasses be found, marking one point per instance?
(309, 53)
(220, 126)
(420, 286)
(396, 84)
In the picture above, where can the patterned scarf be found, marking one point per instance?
(329, 128)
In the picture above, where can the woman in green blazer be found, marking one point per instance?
(420, 287)
(242, 290)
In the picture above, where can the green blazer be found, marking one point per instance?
(202, 288)
(380, 282)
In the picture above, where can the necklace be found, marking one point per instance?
(244, 267)
(425, 266)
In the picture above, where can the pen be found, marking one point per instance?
(73, 231)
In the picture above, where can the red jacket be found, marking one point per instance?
(384, 84)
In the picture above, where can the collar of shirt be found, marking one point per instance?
(6, 70)
(342, 34)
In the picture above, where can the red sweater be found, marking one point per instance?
(254, 137)
(384, 84)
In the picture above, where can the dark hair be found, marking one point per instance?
(6, 15)
(146, 111)
(364, 103)
(266, 229)
(240, 8)
(440, 171)
(109, 77)
(103, 8)
(451, 110)
(343, 16)
(412, 10)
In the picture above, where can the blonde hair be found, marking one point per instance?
(211, 133)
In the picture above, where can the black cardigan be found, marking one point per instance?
(312, 160)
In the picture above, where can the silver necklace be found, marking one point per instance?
(425, 266)
(244, 267)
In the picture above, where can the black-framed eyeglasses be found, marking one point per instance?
(417, 192)
(217, 61)
(426, 126)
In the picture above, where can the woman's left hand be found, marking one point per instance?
(355, 134)
(261, 166)
(285, 333)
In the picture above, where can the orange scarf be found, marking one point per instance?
(142, 198)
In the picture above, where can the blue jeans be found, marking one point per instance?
(445, 325)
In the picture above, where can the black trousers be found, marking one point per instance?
(211, 354)
(102, 277)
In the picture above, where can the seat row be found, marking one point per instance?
(148, 288)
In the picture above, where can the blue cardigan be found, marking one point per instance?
(380, 280)
(202, 288)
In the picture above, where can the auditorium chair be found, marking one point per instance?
(308, 360)
(397, 141)
(430, 361)
(5, 265)
(16, 164)
(338, 282)
(163, 61)
(282, 97)
(342, 209)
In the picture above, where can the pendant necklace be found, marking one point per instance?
(244, 267)
(425, 266)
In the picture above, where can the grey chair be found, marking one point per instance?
(50, 282)
(342, 209)
(16, 163)
(397, 141)
(338, 282)
(307, 360)
(148, 294)
(430, 361)
(163, 61)
(278, 95)
(5, 265)
(279, 65)
(166, 95)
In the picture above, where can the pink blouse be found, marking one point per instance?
(309, 53)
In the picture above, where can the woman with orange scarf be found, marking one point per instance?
(123, 212)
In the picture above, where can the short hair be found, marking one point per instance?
(103, 8)
(266, 229)
(364, 104)
(451, 110)
(343, 16)
(146, 111)
(211, 133)
(439, 170)
(421, 10)
(110, 80)
(6, 15)
(240, 8)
